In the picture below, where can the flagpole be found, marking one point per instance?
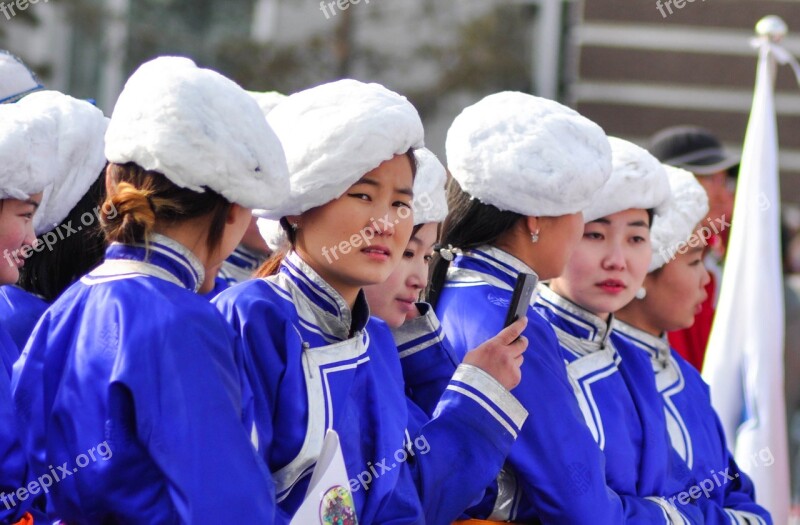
(744, 363)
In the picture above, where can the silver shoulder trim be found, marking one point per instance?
(117, 269)
(491, 391)
(416, 328)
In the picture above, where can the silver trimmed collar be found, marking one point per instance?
(578, 325)
(502, 256)
(331, 310)
(177, 253)
(503, 268)
(657, 347)
(191, 258)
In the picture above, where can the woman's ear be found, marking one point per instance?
(110, 184)
(235, 213)
(293, 221)
(533, 224)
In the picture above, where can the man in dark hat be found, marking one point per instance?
(699, 151)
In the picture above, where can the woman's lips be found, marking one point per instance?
(406, 305)
(612, 286)
(377, 253)
(699, 307)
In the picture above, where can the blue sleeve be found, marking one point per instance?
(264, 339)
(469, 437)
(727, 494)
(427, 359)
(736, 503)
(14, 471)
(19, 313)
(558, 465)
(740, 498)
(465, 417)
(188, 415)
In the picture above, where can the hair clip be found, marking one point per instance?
(447, 253)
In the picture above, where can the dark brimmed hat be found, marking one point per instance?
(693, 149)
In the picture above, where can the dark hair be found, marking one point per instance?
(650, 215)
(469, 224)
(144, 199)
(273, 264)
(50, 271)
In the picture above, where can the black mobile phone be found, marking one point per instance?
(523, 291)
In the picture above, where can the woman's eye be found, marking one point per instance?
(408, 254)
(428, 258)
(401, 204)
(593, 235)
(637, 239)
(360, 196)
(696, 262)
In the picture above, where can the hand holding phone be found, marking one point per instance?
(501, 356)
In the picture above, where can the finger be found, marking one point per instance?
(510, 333)
(517, 348)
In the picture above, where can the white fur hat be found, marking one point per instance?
(430, 198)
(336, 133)
(689, 206)
(28, 148)
(199, 129)
(16, 80)
(638, 181)
(273, 234)
(267, 100)
(528, 155)
(80, 158)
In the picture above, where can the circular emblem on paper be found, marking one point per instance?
(337, 507)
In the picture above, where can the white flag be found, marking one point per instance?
(328, 499)
(744, 359)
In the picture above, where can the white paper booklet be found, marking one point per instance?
(328, 499)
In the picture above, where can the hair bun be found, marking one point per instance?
(135, 217)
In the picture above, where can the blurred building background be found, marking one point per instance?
(632, 66)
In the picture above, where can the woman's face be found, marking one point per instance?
(393, 300)
(358, 239)
(610, 263)
(676, 292)
(16, 235)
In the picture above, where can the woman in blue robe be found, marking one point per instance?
(132, 402)
(675, 289)
(317, 360)
(67, 224)
(428, 363)
(520, 212)
(27, 142)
